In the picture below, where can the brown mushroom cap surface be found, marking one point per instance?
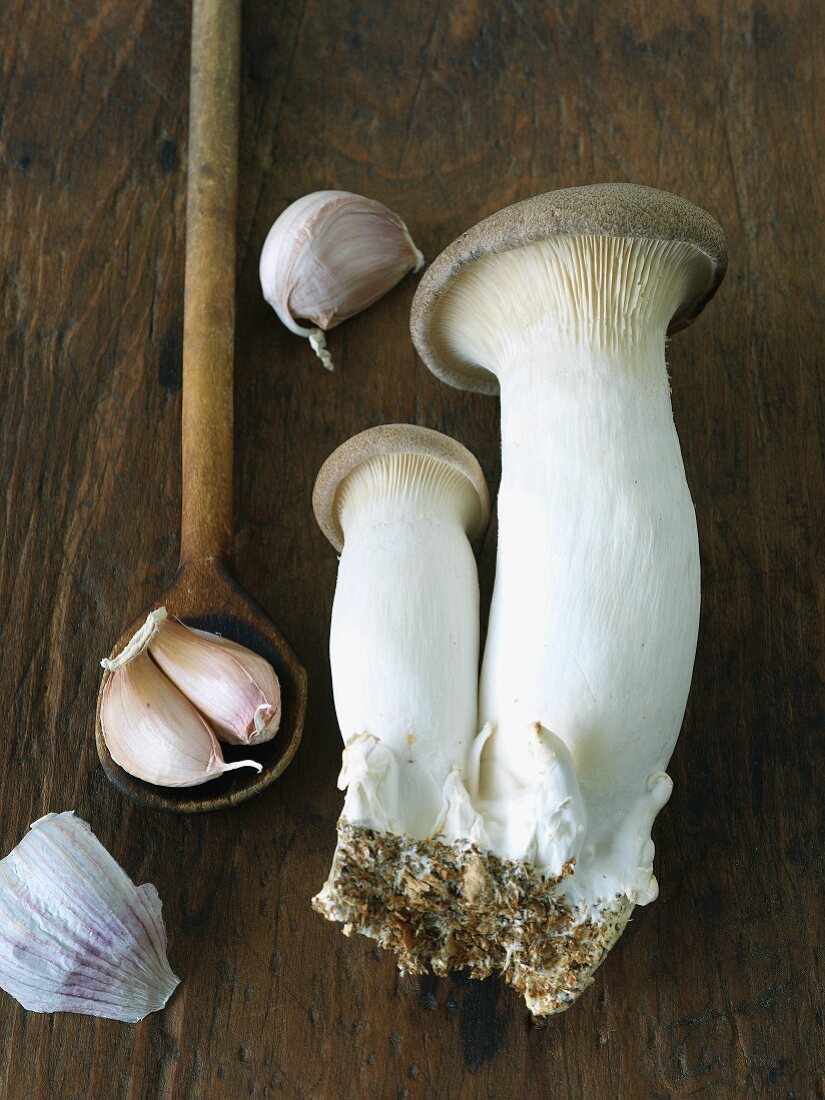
(602, 210)
(393, 439)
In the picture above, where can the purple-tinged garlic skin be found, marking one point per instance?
(76, 934)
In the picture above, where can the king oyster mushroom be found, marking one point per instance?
(402, 504)
(563, 304)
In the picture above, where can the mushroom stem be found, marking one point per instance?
(595, 611)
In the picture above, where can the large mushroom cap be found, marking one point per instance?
(602, 210)
(394, 439)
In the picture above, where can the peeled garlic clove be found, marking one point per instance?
(151, 729)
(233, 688)
(76, 934)
(329, 256)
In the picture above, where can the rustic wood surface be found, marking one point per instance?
(445, 112)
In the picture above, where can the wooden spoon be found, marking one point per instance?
(205, 593)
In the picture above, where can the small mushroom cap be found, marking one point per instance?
(394, 439)
(602, 210)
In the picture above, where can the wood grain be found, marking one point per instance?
(445, 112)
(207, 468)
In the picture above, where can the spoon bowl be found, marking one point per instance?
(206, 595)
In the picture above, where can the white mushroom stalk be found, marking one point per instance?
(595, 612)
(564, 303)
(402, 504)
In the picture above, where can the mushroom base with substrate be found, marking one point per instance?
(493, 888)
(447, 906)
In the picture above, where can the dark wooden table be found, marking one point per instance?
(446, 113)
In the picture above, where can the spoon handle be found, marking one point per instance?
(209, 296)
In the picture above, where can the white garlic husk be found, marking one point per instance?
(330, 255)
(76, 934)
(150, 728)
(233, 688)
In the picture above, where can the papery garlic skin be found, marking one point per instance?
(76, 934)
(150, 728)
(236, 690)
(330, 255)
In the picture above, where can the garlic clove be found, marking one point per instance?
(236, 690)
(153, 731)
(76, 934)
(330, 255)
